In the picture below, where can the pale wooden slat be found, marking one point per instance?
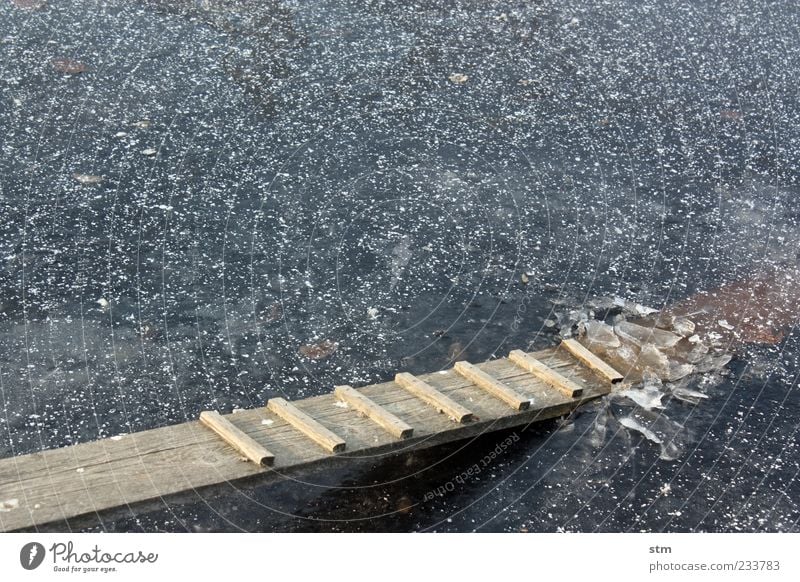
(236, 438)
(545, 374)
(379, 415)
(492, 385)
(432, 396)
(591, 361)
(138, 472)
(307, 425)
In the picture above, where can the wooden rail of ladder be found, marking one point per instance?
(143, 469)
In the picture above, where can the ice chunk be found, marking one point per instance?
(658, 428)
(650, 378)
(687, 394)
(697, 353)
(670, 451)
(678, 370)
(633, 424)
(643, 309)
(683, 326)
(601, 335)
(641, 335)
(605, 303)
(651, 357)
(567, 320)
(648, 397)
(626, 354)
(9, 505)
(709, 362)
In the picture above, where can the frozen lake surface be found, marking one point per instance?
(207, 204)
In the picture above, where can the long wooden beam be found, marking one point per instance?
(132, 473)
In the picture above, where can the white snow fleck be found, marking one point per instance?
(87, 179)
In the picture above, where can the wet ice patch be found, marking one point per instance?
(670, 436)
(401, 255)
(599, 427)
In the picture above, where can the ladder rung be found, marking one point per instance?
(373, 411)
(591, 361)
(305, 424)
(432, 396)
(545, 374)
(236, 438)
(491, 385)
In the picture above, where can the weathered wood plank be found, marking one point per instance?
(492, 385)
(379, 415)
(545, 374)
(140, 470)
(236, 438)
(577, 349)
(429, 394)
(306, 424)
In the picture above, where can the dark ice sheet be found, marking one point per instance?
(381, 175)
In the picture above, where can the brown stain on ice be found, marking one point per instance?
(318, 351)
(760, 309)
(29, 4)
(68, 66)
